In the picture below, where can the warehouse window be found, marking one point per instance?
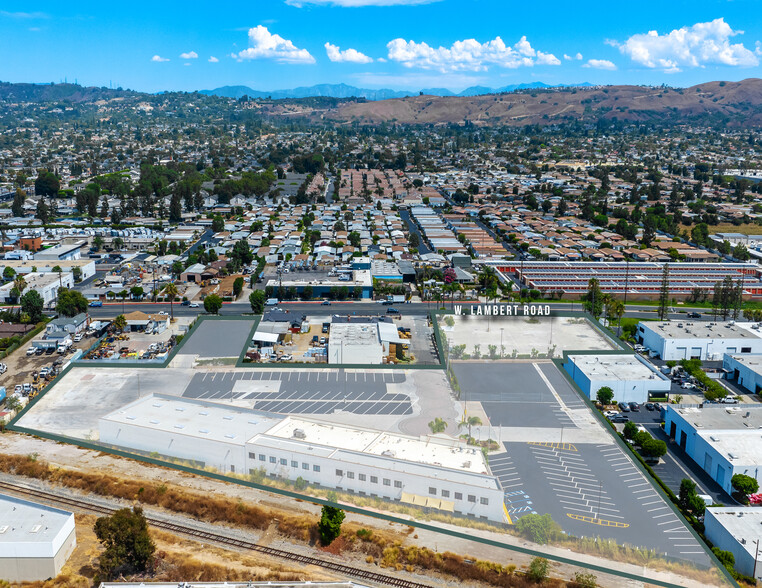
(387, 482)
(273, 459)
(283, 461)
(351, 475)
(471, 498)
(294, 464)
(305, 466)
(262, 457)
(445, 494)
(458, 496)
(362, 477)
(339, 473)
(252, 455)
(432, 491)
(397, 484)
(374, 479)
(484, 501)
(316, 468)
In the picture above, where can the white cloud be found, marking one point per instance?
(578, 57)
(266, 45)
(704, 43)
(189, 55)
(468, 55)
(359, 3)
(348, 55)
(159, 59)
(213, 59)
(600, 64)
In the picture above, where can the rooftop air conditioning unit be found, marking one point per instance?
(299, 434)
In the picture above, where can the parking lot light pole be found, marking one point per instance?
(756, 557)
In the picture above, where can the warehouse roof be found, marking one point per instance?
(701, 330)
(615, 367)
(194, 418)
(28, 529)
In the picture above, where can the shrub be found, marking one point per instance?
(329, 526)
(539, 528)
(583, 580)
(538, 569)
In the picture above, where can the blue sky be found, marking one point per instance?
(405, 44)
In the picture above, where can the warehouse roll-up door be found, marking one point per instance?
(695, 352)
(681, 352)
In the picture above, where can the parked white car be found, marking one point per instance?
(78, 337)
(30, 351)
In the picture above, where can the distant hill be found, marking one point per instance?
(719, 103)
(56, 93)
(346, 91)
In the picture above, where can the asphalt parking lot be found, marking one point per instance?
(590, 488)
(305, 391)
(218, 338)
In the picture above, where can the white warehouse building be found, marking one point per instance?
(746, 369)
(629, 376)
(35, 540)
(737, 530)
(723, 440)
(433, 472)
(698, 340)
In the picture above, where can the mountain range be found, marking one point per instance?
(346, 91)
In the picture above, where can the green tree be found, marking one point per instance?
(257, 300)
(438, 425)
(32, 304)
(329, 526)
(241, 253)
(539, 568)
(238, 286)
(472, 421)
(120, 323)
(664, 294)
(42, 211)
(218, 224)
(98, 242)
(212, 304)
(170, 291)
(137, 292)
(726, 558)
(653, 448)
(354, 239)
(687, 489)
(414, 241)
(128, 545)
(8, 272)
(538, 528)
(17, 208)
(630, 430)
(70, 302)
(604, 395)
(741, 253)
(593, 299)
(744, 484)
(46, 184)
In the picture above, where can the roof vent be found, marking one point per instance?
(388, 453)
(299, 434)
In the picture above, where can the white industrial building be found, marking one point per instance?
(698, 340)
(433, 472)
(47, 286)
(723, 440)
(630, 377)
(363, 342)
(739, 531)
(35, 540)
(746, 369)
(62, 252)
(42, 266)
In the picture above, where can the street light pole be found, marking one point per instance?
(756, 556)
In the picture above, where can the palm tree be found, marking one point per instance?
(472, 421)
(19, 283)
(57, 269)
(171, 291)
(438, 425)
(120, 323)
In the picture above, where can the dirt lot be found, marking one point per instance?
(21, 366)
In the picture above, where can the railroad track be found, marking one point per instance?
(349, 571)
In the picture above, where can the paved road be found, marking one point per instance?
(423, 248)
(413, 309)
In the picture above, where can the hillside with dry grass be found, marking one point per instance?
(736, 104)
